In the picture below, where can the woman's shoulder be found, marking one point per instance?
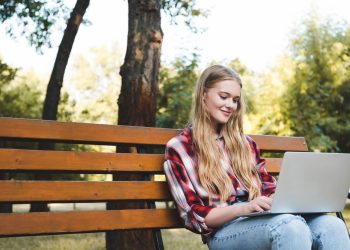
(183, 138)
(249, 138)
(251, 141)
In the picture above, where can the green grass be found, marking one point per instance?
(179, 239)
(93, 241)
(174, 239)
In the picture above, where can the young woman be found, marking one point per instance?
(216, 176)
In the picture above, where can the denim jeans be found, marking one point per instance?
(283, 231)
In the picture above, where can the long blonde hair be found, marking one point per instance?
(212, 175)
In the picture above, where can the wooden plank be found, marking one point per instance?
(86, 221)
(273, 165)
(29, 160)
(72, 191)
(18, 159)
(111, 134)
(280, 143)
(83, 132)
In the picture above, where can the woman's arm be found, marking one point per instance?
(220, 215)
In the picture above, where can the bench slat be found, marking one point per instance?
(111, 134)
(273, 165)
(84, 133)
(280, 143)
(80, 221)
(18, 159)
(69, 191)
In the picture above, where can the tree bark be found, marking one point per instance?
(137, 101)
(53, 92)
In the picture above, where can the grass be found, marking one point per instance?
(93, 241)
(178, 239)
(174, 239)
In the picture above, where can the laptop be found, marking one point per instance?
(311, 182)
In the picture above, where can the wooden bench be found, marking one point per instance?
(16, 160)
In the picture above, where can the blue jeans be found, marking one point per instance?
(283, 231)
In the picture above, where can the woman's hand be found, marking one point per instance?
(259, 204)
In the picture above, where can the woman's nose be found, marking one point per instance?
(229, 104)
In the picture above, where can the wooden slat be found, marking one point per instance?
(66, 191)
(280, 143)
(83, 132)
(18, 159)
(273, 165)
(86, 221)
(110, 134)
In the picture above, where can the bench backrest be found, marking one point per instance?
(36, 161)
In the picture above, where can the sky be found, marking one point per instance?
(255, 31)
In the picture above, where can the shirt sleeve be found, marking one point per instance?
(190, 205)
(268, 181)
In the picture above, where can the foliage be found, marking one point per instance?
(267, 117)
(317, 97)
(175, 94)
(94, 85)
(33, 19)
(187, 9)
(7, 73)
(19, 96)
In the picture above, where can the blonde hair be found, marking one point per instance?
(212, 175)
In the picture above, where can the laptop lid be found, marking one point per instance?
(311, 182)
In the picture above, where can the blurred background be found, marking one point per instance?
(293, 57)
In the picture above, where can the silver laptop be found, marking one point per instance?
(311, 182)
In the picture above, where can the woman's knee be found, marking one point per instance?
(293, 230)
(325, 224)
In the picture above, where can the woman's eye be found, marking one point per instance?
(223, 97)
(235, 101)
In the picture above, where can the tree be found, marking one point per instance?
(267, 116)
(175, 97)
(94, 85)
(137, 100)
(33, 19)
(56, 80)
(317, 95)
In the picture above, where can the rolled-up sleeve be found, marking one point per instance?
(268, 181)
(188, 202)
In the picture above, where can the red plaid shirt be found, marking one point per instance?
(192, 201)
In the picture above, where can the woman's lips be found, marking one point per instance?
(226, 113)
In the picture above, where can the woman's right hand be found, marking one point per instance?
(259, 204)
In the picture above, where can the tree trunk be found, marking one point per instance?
(137, 101)
(53, 92)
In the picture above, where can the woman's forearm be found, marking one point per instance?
(220, 215)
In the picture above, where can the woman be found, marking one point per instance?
(216, 176)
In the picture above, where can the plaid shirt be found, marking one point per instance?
(192, 201)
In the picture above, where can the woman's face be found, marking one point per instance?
(221, 101)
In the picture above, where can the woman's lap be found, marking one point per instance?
(284, 231)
